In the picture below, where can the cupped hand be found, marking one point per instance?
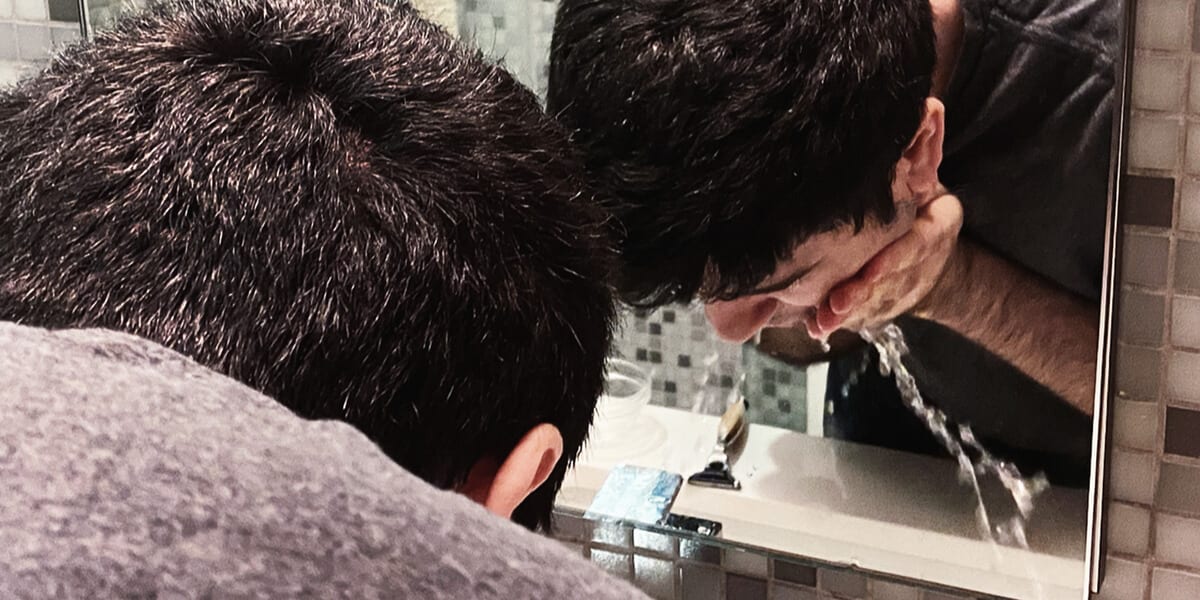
(897, 279)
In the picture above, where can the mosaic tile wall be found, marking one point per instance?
(29, 31)
(1154, 511)
(693, 370)
(667, 567)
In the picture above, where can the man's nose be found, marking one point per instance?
(738, 320)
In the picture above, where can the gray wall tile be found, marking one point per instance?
(656, 542)
(1183, 433)
(783, 591)
(618, 564)
(1175, 540)
(1141, 318)
(1179, 489)
(1170, 584)
(1138, 371)
(655, 576)
(64, 10)
(795, 573)
(1187, 265)
(1148, 201)
(844, 583)
(745, 588)
(698, 551)
(8, 42)
(700, 582)
(34, 41)
(1123, 580)
(1144, 260)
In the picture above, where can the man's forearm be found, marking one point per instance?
(1043, 330)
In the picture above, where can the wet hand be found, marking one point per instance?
(900, 278)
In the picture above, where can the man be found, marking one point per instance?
(335, 204)
(129, 471)
(790, 163)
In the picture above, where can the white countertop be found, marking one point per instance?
(850, 504)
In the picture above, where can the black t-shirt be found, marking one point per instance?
(1028, 137)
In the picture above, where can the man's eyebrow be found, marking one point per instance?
(782, 285)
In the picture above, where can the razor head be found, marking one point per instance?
(716, 475)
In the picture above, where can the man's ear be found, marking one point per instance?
(916, 177)
(501, 487)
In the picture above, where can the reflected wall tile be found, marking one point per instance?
(1147, 201)
(8, 42)
(1177, 489)
(1185, 321)
(1129, 529)
(612, 534)
(656, 542)
(1158, 82)
(847, 584)
(1187, 265)
(617, 564)
(1144, 258)
(1135, 424)
(698, 551)
(1183, 376)
(1175, 540)
(745, 588)
(30, 10)
(1169, 584)
(748, 563)
(1123, 580)
(572, 527)
(700, 582)
(34, 42)
(944, 596)
(1182, 435)
(791, 572)
(1162, 24)
(887, 590)
(66, 11)
(1132, 476)
(10, 72)
(655, 576)
(1153, 143)
(63, 36)
(783, 591)
(1141, 318)
(1138, 372)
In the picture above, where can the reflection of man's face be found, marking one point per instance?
(799, 285)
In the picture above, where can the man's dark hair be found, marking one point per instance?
(332, 202)
(730, 130)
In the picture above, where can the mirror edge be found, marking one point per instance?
(1110, 282)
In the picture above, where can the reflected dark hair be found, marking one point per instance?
(730, 130)
(332, 202)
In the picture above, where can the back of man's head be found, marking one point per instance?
(332, 202)
(730, 130)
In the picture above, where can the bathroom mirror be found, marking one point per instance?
(989, 481)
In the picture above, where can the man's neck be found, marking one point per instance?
(948, 27)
